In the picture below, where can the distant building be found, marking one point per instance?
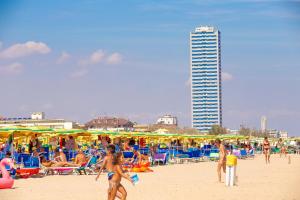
(283, 134)
(110, 124)
(263, 124)
(38, 115)
(273, 133)
(167, 120)
(141, 127)
(278, 134)
(38, 119)
(233, 131)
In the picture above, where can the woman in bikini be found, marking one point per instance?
(222, 158)
(115, 185)
(267, 150)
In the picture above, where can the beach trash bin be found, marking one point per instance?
(231, 163)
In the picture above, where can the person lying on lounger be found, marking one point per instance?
(60, 160)
(80, 158)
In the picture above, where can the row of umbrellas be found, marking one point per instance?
(43, 131)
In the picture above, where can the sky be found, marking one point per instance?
(77, 60)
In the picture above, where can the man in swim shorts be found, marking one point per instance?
(222, 158)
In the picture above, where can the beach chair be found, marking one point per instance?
(206, 153)
(236, 152)
(159, 157)
(127, 154)
(89, 168)
(251, 153)
(144, 151)
(197, 156)
(214, 156)
(244, 154)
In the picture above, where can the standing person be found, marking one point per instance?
(222, 159)
(70, 143)
(281, 147)
(30, 146)
(267, 149)
(115, 185)
(108, 165)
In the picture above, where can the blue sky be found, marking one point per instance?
(82, 59)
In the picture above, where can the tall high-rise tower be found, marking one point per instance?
(205, 69)
(263, 124)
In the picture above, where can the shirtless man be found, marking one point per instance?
(222, 159)
(80, 158)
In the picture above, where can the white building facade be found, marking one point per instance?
(167, 119)
(38, 119)
(205, 73)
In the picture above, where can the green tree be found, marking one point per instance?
(217, 130)
(245, 131)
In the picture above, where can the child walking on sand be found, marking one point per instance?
(115, 185)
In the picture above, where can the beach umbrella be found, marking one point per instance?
(71, 132)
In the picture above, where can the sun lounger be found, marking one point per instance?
(63, 170)
(160, 157)
(89, 167)
(251, 153)
(214, 156)
(243, 154)
(127, 154)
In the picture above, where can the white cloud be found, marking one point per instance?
(24, 49)
(100, 56)
(95, 58)
(63, 57)
(115, 58)
(226, 76)
(11, 69)
(79, 73)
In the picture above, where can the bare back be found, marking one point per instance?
(108, 163)
(223, 152)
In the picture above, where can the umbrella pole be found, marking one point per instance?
(60, 142)
(12, 147)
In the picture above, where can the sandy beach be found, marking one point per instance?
(256, 180)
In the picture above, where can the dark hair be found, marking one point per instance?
(43, 158)
(111, 148)
(218, 141)
(266, 138)
(116, 158)
(8, 154)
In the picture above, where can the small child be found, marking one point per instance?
(115, 185)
